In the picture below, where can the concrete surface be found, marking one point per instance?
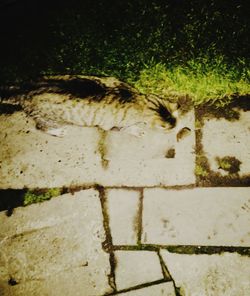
(113, 239)
(236, 136)
(32, 158)
(162, 289)
(123, 210)
(134, 268)
(204, 275)
(55, 248)
(201, 216)
(86, 156)
(143, 161)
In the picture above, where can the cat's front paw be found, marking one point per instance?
(57, 132)
(134, 130)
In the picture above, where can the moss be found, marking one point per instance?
(35, 196)
(198, 124)
(229, 164)
(200, 171)
(209, 250)
(207, 177)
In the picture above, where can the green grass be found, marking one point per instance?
(198, 49)
(203, 80)
(34, 196)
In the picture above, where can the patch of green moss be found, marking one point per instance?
(35, 196)
(229, 164)
(200, 171)
(202, 168)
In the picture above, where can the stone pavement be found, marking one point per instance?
(164, 214)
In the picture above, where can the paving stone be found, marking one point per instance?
(71, 282)
(134, 268)
(55, 248)
(85, 156)
(163, 289)
(208, 275)
(142, 161)
(201, 216)
(123, 211)
(223, 138)
(31, 158)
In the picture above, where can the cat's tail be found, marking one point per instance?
(16, 95)
(10, 95)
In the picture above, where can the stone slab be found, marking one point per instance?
(163, 289)
(134, 268)
(123, 211)
(73, 282)
(142, 161)
(223, 138)
(201, 216)
(33, 159)
(202, 275)
(55, 248)
(85, 156)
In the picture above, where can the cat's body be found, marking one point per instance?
(90, 101)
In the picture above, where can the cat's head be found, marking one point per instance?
(167, 112)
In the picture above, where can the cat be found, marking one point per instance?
(105, 102)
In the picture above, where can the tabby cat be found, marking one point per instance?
(56, 101)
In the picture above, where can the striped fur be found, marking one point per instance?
(89, 101)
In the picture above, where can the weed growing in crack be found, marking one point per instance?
(35, 196)
(200, 171)
(229, 164)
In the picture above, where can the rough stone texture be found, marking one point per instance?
(202, 216)
(31, 158)
(208, 275)
(228, 138)
(135, 268)
(163, 289)
(55, 248)
(123, 211)
(142, 161)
